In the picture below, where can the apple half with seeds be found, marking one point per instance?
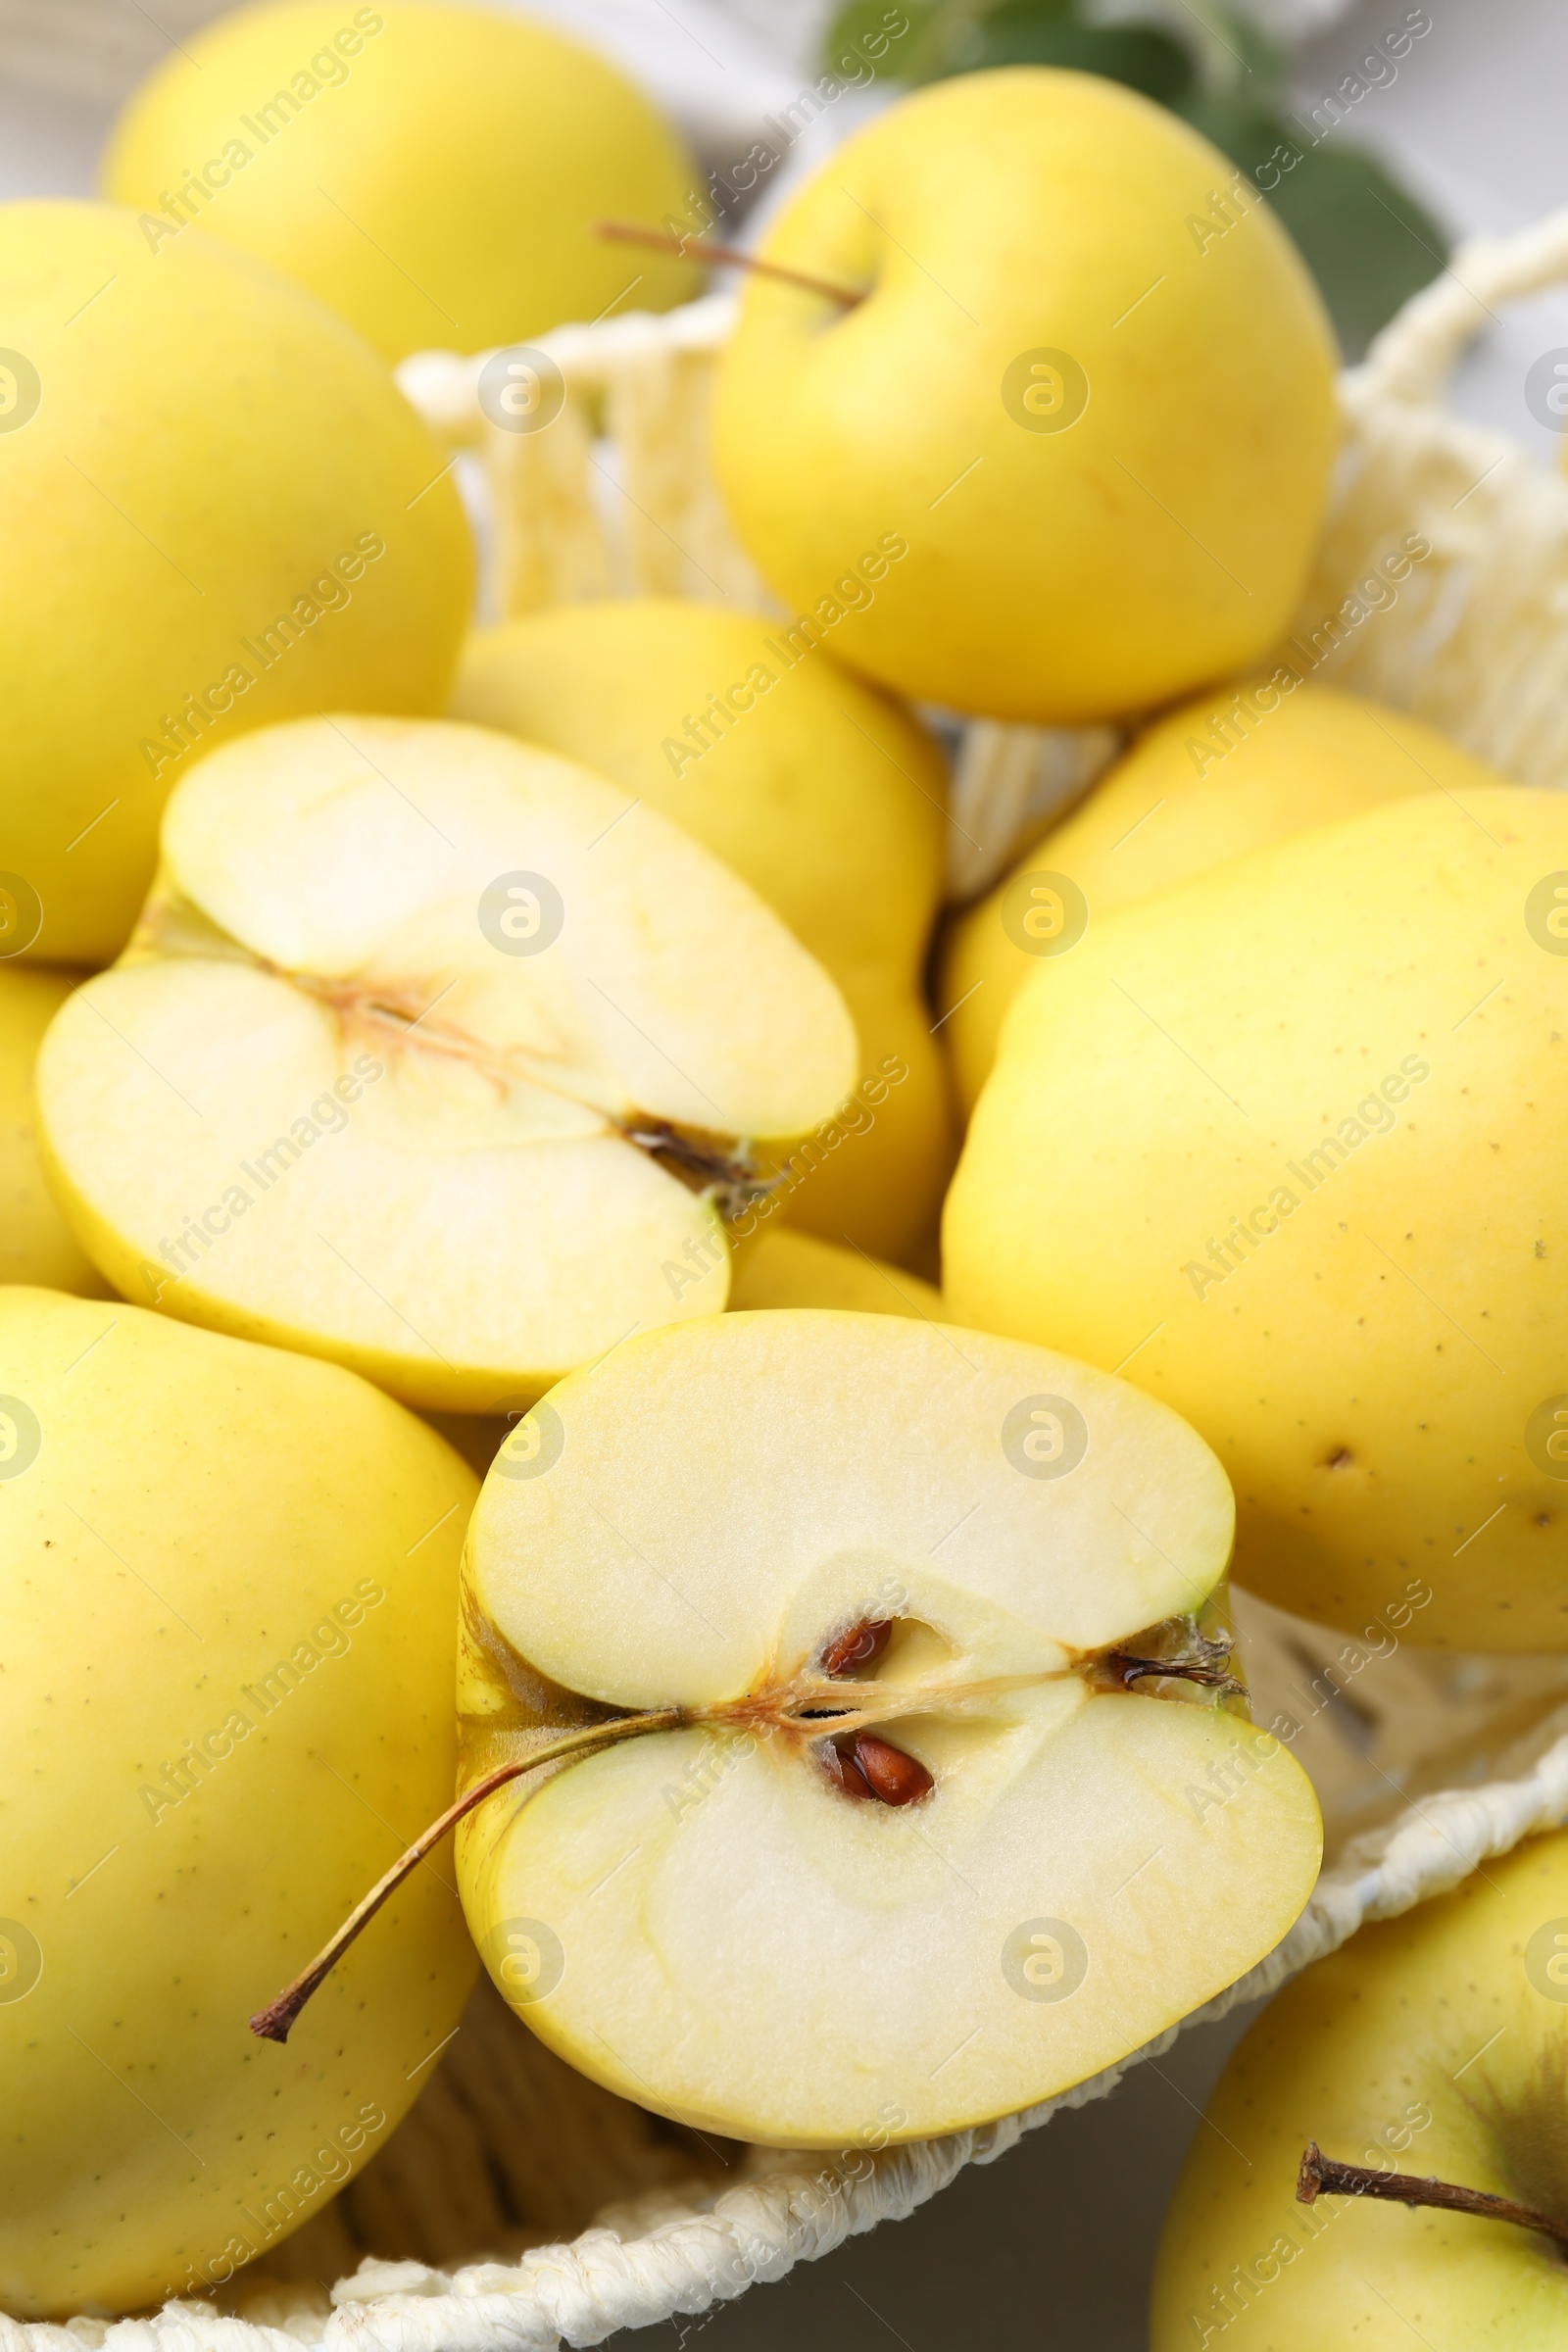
(432, 1054)
(922, 1790)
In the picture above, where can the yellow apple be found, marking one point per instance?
(818, 791)
(1284, 1144)
(433, 173)
(432, 1054)
(1432, 2046)
(1067, 456)
(1224, 775)
(219, 513)
(782, 1268)
(230, 1586)
(777, 1268)
(893, 1828)
(36, 1245)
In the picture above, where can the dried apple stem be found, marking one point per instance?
(815, 1705)
(630, 232)
(1321, 2176)
(273, 2022)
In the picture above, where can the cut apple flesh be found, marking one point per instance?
(870, 1559)
(432, 1054)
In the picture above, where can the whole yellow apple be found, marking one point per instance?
(1283, 1144)
(1067, 452)
(219, 513)
(820, 793)
(1225, 773)
(1430, 2045)
(229, 1587)
(433, 173)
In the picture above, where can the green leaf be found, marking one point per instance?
(1144, 57)
(1018, 13)
(1366, 241)
(845, 48)
(1260, 64)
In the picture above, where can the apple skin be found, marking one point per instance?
(228, 1578)
(782, 1269)
(1433, 2044)
(36, 1245)
(211, 449)
(1381, 1366)
(1178, 803)
(440, 184)
(1160, 537)
(821, 793)
(776, 1268)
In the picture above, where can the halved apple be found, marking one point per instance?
(922, 1832)
(432, 1054)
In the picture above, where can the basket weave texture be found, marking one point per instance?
(519, 2206)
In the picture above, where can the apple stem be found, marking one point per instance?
(630, 232)
(1321, 2176)
(827, 1704)
(272, 2023)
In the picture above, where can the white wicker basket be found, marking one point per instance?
(518, 2206)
